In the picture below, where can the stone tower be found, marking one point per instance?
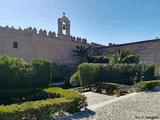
(64, 26)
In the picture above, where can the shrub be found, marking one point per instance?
(10, 96)
(147, 85)
(124, 56)
(74, 80)
(41, 72)
(113, 73)
(79, 101)
(29, 110)
(60, 73)
(147, 71)
(98, 59)
(68, 101)
(14, 73)
(88, 74)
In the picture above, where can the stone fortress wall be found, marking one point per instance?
(32, 43)
(149, 51)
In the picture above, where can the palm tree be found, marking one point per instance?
(124, 56)
(83, 52)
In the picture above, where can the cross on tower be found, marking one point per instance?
(64, 13)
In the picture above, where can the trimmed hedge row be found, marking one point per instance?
(60, 73)
(147, 85)
(41, 69)
(15, 73)
(68, 101)
(39, 109)
(79, 101)
(114, 73)
(10, 96)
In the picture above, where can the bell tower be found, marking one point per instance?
(64, 25)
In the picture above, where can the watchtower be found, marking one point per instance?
(64, 25)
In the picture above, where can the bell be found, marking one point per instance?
(64, 27)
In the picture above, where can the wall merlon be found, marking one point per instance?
(78, 39)
(73, 38)
(34, 30)
(42, 32)
(28, 30)
(51, 34)
(84, 41)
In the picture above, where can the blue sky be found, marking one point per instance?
(101, 21)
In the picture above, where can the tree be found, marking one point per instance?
(83, 52)
(124, 56)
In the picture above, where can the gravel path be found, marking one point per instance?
(92, 99)
(96, 98)
(143, 106)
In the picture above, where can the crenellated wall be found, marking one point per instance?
(58, 48)
(149, 51)
(44, 33)
(33, 43)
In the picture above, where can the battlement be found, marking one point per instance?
(80, 40)
(43, 33)
(29, 30)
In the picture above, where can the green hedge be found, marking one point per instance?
(147, 85)
(68, 101)
(41, 69)
(60, 73)
(15, 73)
(79, 101)
(10, 96)
(114, 73)
(38, 109)
(88, 74)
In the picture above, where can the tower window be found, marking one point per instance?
(64, 32)
(63, 25)
(15, 44)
